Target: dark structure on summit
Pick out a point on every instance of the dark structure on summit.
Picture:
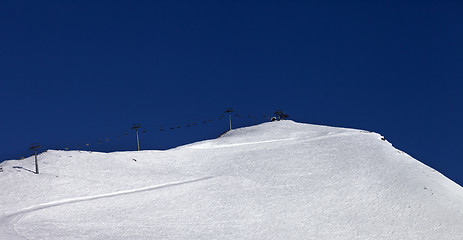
(279, 115)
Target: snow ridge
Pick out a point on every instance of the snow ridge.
(278, 180)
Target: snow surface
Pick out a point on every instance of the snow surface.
(278, 180)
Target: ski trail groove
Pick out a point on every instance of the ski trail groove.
(207, 145)
(8, 221)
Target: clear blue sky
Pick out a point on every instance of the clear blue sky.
(73, 72)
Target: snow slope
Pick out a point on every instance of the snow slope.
(278, 180)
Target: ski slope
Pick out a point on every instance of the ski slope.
(277, 180)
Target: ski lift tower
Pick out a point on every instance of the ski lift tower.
(34, 147)
(229, 111)
(136, 127)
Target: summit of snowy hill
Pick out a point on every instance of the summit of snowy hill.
(268, 132)
(277, 180)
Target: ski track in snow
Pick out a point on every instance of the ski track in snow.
(210, 146)
(8, 221)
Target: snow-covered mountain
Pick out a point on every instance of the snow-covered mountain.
(277, 180)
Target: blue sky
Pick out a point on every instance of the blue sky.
(76, 72)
